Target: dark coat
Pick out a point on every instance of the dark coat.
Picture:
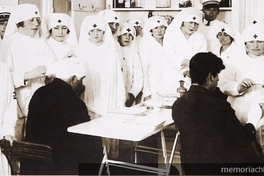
(52, 109)
(209, 130)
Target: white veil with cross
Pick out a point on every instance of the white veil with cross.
(186, 14)
(20, 13)
(52, 20)
(100, 23)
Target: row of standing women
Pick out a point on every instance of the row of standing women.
(121, 63)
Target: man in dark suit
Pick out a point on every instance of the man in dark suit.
(52, 109)
(211, 134)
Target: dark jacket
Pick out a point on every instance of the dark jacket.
(209, 130)
(52, 109)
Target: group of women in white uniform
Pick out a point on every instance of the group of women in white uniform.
(116, 70)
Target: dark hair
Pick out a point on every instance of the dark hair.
(20, 24)
(68, 31)
(231, 38)
(202, 64)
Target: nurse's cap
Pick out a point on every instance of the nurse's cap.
(5, 12)
(56, 19)
(192, 15)
(136, 20)
(258, 20)
(136, 23)
(109, 16)
(25, 12)
(156, 21)
(95, 22)
(210, 2)
(253, 32)
(227, 29)
(67, 68)
(127, 28)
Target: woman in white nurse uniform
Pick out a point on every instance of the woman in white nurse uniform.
(134, 79)
(59, 32)
(152, 56)
(8, 114)
(243, 83)
(27, 56)
(105, 88)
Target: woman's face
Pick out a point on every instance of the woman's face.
(189, 27)
(31, 26)
(114, 27)
(138, 30)
(59, 32)
(224, 38)
(255, 48)
(96, 36)
(3, 28)
(125, 39)
(158, 32)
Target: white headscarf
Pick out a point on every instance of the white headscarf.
(151, 23)
(189, 14)
(228, 29)
(54, 19)
(253, 32)
(136, 20)
(95, 22)
(109, 16)
(258, 20)
(127, 28)
(20, 13)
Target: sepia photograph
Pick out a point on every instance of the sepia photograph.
(131, 87)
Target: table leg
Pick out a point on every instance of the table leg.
(104, 162)
(164, 147)
(135, 151)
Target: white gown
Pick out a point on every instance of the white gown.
(104, 84)
(61, 50)
(178, 48)
(229, 56)
(23, 53)
(247, 67)
(152, 56)
(134, 80)
(8, 113)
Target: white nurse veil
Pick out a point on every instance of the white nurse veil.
(20, 13)
(52, 20)
(151, 23)
(127, 28)
(187, 14)
(91, 22)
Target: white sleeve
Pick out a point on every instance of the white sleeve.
(227, 83)
(17, 72)
(10, 113)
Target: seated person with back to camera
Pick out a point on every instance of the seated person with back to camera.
(210, 131)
